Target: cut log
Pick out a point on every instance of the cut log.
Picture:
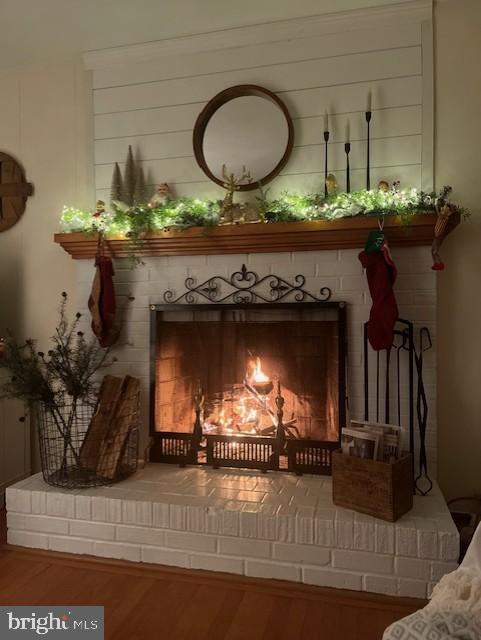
(99, 428)
(123, 421)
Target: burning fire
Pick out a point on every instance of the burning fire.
(257, 374)
(248, 411)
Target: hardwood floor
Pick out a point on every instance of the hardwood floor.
(148, 601)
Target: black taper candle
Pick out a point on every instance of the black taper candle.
(368, 166)
(326, 140)
(347, 149)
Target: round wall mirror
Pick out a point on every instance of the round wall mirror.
(246, 129)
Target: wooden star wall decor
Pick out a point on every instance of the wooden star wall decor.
(14, 191)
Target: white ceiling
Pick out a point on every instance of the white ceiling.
(39, 31)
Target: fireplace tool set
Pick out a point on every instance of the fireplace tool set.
(390, 372)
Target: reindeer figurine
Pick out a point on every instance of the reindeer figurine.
(232, 212)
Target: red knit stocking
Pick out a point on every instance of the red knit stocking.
(381, 274)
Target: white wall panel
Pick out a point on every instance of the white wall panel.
(151, 101)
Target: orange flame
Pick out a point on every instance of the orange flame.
(258, 375)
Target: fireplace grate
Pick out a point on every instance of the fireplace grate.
(308, 456)
(243, 452)
(174, 448)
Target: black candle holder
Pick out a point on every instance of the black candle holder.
(368, 164)
(326, 140)
(347, 149)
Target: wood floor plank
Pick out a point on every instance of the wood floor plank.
(199, 614)
(294, 620)
(223, 620)
(251, 618)
(278, 613)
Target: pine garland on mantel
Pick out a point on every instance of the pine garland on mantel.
(183, 213)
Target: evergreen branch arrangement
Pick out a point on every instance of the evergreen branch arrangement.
(180, 213)
(68, 368)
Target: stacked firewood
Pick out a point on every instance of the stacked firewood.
(115, 417)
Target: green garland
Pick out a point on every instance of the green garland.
(183, 213)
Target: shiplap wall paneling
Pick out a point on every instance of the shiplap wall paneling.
(152, 103)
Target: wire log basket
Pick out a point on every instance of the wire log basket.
(81, 446)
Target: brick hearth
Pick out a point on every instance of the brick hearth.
(272, 525)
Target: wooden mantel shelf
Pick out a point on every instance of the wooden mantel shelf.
(348, 233)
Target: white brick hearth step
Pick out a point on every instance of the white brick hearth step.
(272, 525)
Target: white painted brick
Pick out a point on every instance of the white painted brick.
(363, 532)
(439, 569)
(61, 504)
(353, 283)
(216, 563)
(165, 556)
(119, 550)
(427, 544)
(263, 260)
(220, 262)
(412, 588)
(39, 502)
(93, 530)
(303, 554)
(286, 524)
(18, 500)
(344, 529)
(196, 518)
(37, 524)
(27, 539)
(448, 546)
(334, 579)
(247, 548)
(213, 519)
(190, 541)
(272, 570)
(160, 515)
(431, 586)
(140, 535)
(83, 510)
(180, 262)
(139, 274)
(267, 522)
(361, 561)
(136, 512)
(380, 584)
(68, 544)
(305, 525)
(384, 534)
(177, 516)
(412, 568)
(248, 522)
(324, 528)
(406, 539)
(106, 509)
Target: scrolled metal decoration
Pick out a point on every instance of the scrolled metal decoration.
(246, 288)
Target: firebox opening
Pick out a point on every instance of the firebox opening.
(240, 358)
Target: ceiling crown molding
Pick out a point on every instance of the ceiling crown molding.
(411, 11)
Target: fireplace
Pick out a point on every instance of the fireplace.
(254, 379)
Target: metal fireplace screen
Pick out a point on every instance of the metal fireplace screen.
(245, 381)
(248, 385)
